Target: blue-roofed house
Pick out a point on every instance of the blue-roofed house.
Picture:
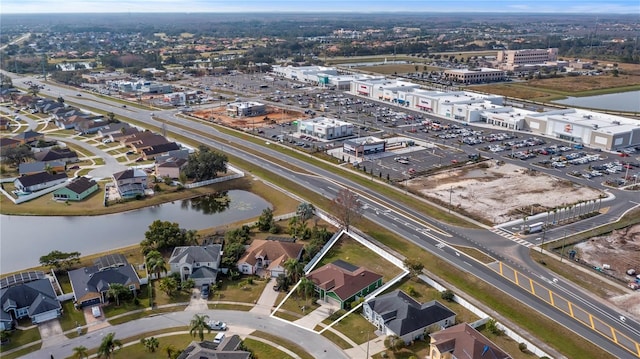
(35, 299)
(396, 313)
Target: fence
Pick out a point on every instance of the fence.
(237, 174)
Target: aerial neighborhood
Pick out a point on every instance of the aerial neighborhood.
(313, 185)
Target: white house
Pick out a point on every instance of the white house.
(39, 181)
(200, 263)
(396, 313)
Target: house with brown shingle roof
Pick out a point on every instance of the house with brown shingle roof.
(142, 140)
(462, 341)
(266, 258)
(341, 283)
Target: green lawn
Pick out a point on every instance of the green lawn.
(24, 351)
(71, 317)
(65, 283)
(350, 251)
(263, 350)
(294, 347)
(333, 337)
(354, 326)
(145, 313)
(19, 338)
(239, 290)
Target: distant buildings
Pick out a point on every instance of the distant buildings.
(325, 128)
(513, 60)
(467, 76)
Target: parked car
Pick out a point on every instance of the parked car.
(217, 325)
(95, 310)
(205, 291)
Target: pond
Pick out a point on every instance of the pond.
(23, 239)
(622, 101)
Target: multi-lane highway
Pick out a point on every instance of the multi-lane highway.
(429, 234)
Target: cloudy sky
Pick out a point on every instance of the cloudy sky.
(215, 6)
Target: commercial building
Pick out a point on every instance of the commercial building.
(364, 146)
(513, 59)
(325, 128)
(467, 76)
(442, 103)
(593, 129)
(308, 74)
(383, 89)
(246, 109)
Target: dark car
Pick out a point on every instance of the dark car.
(205, 291)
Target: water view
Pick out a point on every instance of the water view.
(623, 101)
(23, 239)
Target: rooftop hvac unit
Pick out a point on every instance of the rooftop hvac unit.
(616, 122)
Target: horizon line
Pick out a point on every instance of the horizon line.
(345, 12)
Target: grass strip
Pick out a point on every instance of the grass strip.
(297, 349)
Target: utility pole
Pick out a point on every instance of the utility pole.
(563, 242)
(450, 195)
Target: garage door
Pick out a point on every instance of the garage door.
(333, 301)
(46, 316)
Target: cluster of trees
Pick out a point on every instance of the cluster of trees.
(16, 156)
(205, 164)
(165, 235)
(60, 261)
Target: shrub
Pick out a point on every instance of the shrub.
(522, 347)
(447, 295)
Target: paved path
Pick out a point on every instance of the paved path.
(267, 299)
(111, 165)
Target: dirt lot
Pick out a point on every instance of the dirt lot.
(621, 250)
(274, 116)
(501, 193)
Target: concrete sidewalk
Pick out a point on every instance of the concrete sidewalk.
(267, 299)
(316, 317)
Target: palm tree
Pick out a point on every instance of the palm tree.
(80, 352)
(151, 344)
(198, 325)
(115, 291)
(156, 263)
(108, 346)
(294, 269)
(305, 211)
(305, 288)
(170, 350)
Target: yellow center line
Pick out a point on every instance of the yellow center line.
(571, 310)
(591, 321)
(613, 334)
(533, 290)
(551, 297)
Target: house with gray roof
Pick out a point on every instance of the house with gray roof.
(39, 181)
(34, 299)
(131, 182)
(77, 190)
(29, 168)
(62, 154)
(396, 313)
(200, 263)
(91, 284)
(228, 349)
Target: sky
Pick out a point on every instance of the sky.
(309, 6)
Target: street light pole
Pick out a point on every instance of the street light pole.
(563, 242)
(368, 333)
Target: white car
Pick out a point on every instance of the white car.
(95, 310)
(217, 325)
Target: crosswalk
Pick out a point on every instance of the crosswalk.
(502, 233)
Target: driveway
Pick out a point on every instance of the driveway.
(267, 299)
(94, 323)
(111, 165)
(51, 333)
(196, 303)
(316, 317)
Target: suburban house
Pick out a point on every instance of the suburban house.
(123, 134)
(462, 341)
(170, 167)
(28, 137)
(150, 153)
(142, 140)
(200, 263)
(61, 154)
(6, 142)
(91, 284)
(341, 283)
(29, 168)
(5, 124)
(90, 126)
(35, 299)
(113, 128)
(229, 348)
(77, 190)
(39, 181)
(396, 313)
(266, 258)
(131, 182)
(68, 123)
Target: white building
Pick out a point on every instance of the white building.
(308, 74)
(593, 129)
(381, 88)
(325, 128)
(514, 59)
(246, 109)
(363, 146)
(442, 103)
(467, 76)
